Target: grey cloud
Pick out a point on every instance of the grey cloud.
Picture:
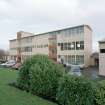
(45, 15)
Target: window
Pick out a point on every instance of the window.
(77, 45)
(80, 45)
(71, 59)
(66, 58)
(81, 30)
(68, 35)
(58, 32)
(13, 48)
(69, 46)
(79, 59)
(65, 46)
(69, 31)
(26, 49)
(41, 46)
(27, 40)
(75, 31)
(102, 50)
(72, 32)
(37, 46)
(73, 46)
(61, 46)
(46, 45)
(34, 46)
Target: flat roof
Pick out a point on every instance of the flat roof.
(102, 41)
(12, 40)
(55, 31)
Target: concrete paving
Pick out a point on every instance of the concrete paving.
(91, 72)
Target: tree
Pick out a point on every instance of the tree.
(2, 54)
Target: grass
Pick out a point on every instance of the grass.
(13, 96)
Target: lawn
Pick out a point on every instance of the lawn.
(12, 96)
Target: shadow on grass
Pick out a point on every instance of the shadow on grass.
(43, 97)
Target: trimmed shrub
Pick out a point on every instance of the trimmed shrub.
(40, 75)
(75, 91)
(100, 93)
(44, 77)
(23, 81)
(23, 78)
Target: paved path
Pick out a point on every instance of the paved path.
(91, 72)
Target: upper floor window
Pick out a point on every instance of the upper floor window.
(61, 46)
(79, 59)
(65, 46)
(26, 49)
(102, 50)
(73, 46)
(80, 45)
(69, 46)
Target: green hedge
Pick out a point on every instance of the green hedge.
(23, 81)
(75, 91)
(44, 80)
(100, 93)
(40, 75)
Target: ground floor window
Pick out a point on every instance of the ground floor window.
(73, 59)
(102, 50)
(79, 59)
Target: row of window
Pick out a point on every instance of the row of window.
(79, 45)
(27, 40)
(70, 31)
(102, 50)
(25, 49)
(29, 49)
(13, 48)
(74, 59)
(73, 32)
(41, 46)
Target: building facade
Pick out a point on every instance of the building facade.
(74, 44)
(102, 58)
(95, 59)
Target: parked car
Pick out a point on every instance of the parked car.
(9, 63)
(68, 65)
(82, 66)
(2, 61)
(17, 65)
(75, 70)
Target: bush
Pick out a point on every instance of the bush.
(75, 91)
(40, 75)
(100, 93)
(23, 81)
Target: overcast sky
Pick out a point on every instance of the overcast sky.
(46, 15)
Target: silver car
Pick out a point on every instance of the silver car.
(75, 70)
(9, 63)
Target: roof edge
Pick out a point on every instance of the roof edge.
(54, 31)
